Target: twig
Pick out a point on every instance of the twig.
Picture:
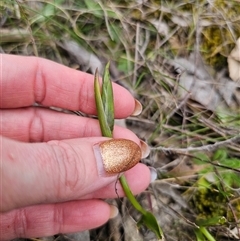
(210, 147)
(136, 55)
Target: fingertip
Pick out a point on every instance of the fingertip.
(153, 173)
(122, 132)
(113, 212)
(139, 178)
(137, 109)
(124, 102)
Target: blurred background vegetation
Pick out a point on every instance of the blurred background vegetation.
(174, 57)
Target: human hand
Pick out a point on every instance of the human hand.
(49, 176)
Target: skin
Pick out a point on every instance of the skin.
(49, 182)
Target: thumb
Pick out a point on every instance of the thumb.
(58, 171)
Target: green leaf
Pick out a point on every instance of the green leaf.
(202, 234)
(200, 158)
(97, 10)
(199, 235)
(231, 179)
(107, 97)
(211, 221)
(103, 119)
(147, 218)
(50, 9)
(231, 162)
(220, 155)
(94, 8)
(205, 232)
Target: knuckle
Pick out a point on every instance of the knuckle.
(20, 223)
(40, 81)
(36, 127)
(58, 218)
(69, 166)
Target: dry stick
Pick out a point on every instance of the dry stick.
(210, 147)
(136, 55)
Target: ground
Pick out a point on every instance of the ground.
(174, 57)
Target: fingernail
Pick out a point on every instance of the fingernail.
(153, 173)
(138, 108)
(145, 149)
(113, 211)
(116, 155)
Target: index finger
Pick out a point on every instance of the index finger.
(28, 80)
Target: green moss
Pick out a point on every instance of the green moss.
(208, 203)
(218, 39)
(233, 211)
(216, 45)
(230, 8)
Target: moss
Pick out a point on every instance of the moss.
(209, 202)
(230, 8)
(218, 39)
(233, 210)
(214, 47)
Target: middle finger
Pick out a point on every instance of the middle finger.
(39, 125)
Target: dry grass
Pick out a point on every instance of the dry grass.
(154, 48)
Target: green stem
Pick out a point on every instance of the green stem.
(129, 194)
(205, 232)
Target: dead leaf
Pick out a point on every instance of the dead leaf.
(86, 59)
(234, 62)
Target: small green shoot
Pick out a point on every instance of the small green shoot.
(105, 111)
(104, 103)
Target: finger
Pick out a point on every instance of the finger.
(50, 219)
(51, 172)
(39, 125)
(26, 80)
